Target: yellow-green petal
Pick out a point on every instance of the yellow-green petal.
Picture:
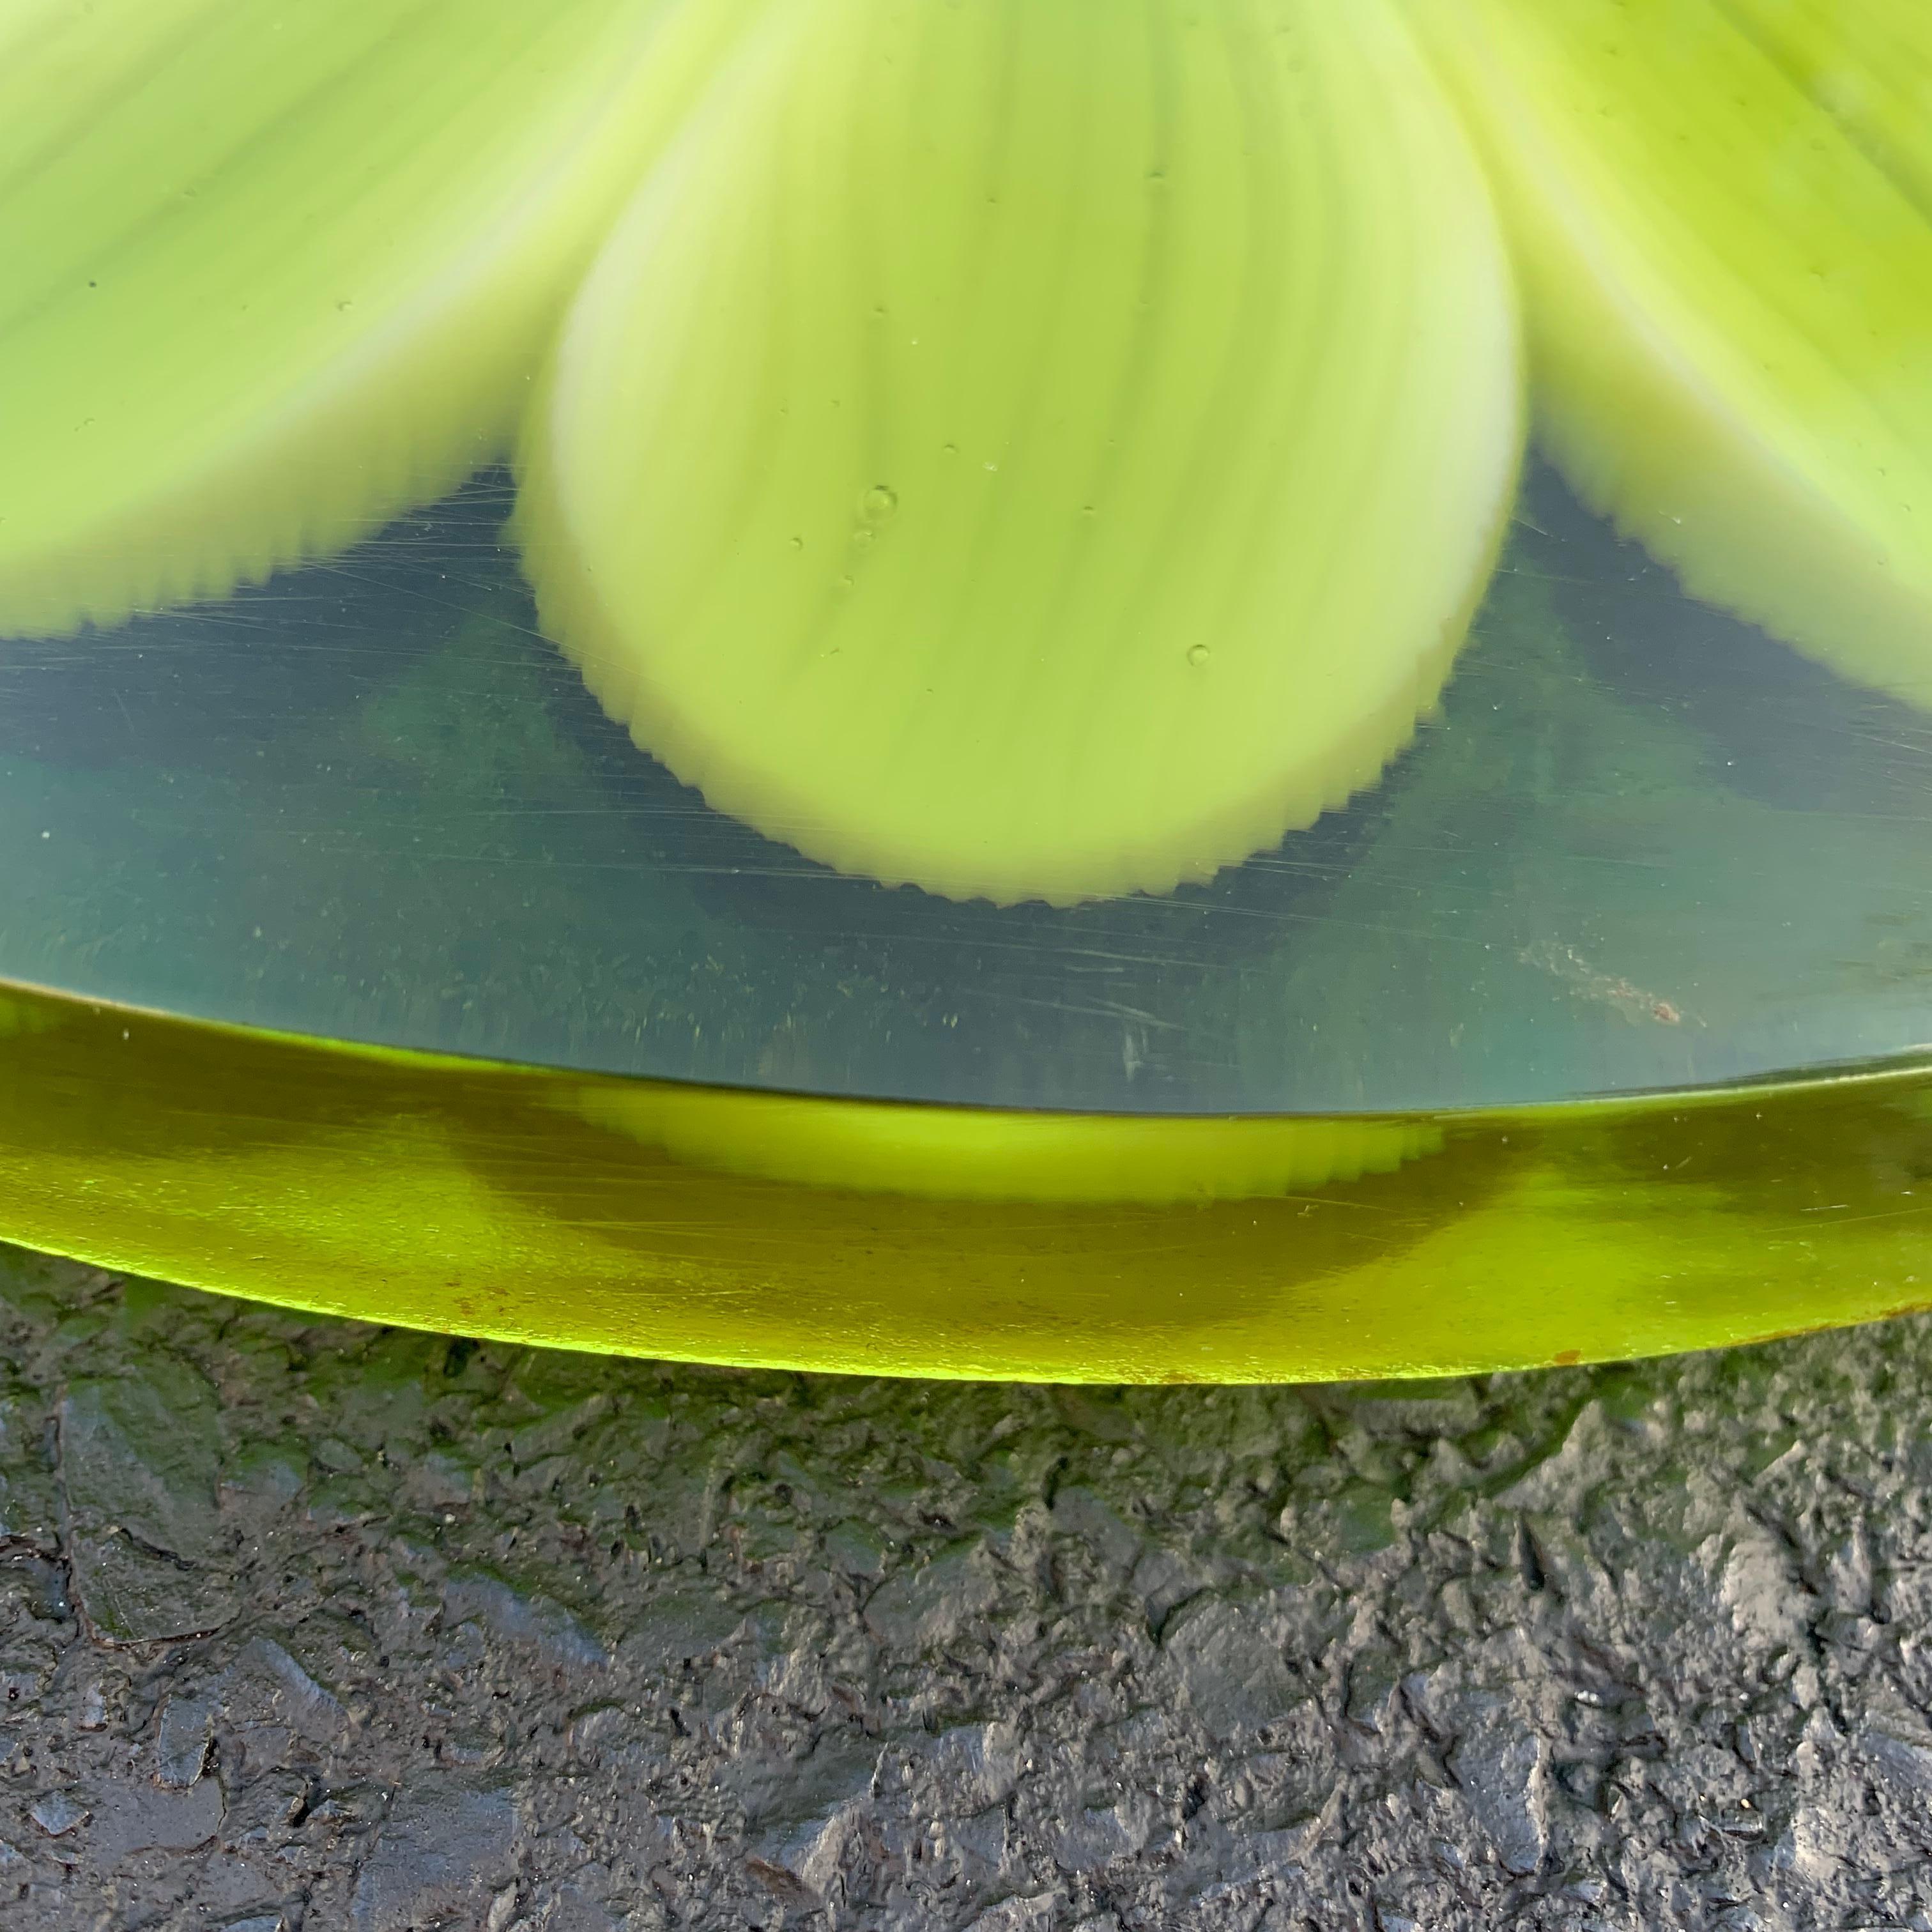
(270, 273)
(958, 1153)
(1036, 448)
(1868, 64)
(1720, 212)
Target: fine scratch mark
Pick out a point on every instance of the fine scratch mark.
(1607, 989)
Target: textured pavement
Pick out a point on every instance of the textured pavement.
(304, 1624)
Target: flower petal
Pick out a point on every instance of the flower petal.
(274, 272)
(1036, 449)
(1721, 208)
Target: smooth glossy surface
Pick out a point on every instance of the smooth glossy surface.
(1641, 846)
(487, 1201)
(380, 969)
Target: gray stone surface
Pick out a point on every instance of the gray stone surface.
(306, 1625)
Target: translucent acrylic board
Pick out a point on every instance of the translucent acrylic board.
(1364, 572)
(1641, 845)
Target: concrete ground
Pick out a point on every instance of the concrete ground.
(309, 1625)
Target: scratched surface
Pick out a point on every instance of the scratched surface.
(309, 1627)
(1641, 845)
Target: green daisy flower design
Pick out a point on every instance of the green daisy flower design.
(1024, 449)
